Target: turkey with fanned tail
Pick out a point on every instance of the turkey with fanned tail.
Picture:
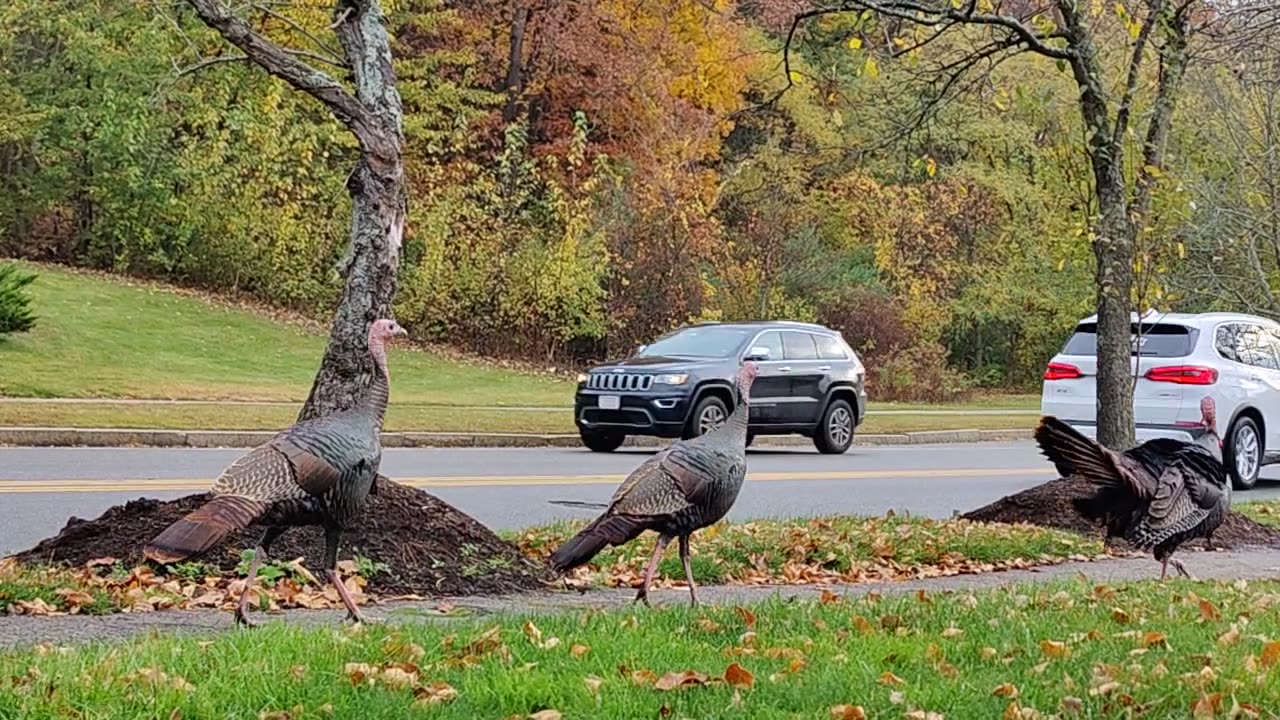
(1157, 495)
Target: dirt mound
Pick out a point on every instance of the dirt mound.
(1049, 505)
(428, 546)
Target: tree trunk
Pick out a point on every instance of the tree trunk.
(1113, 248)
(378, 195)
(377, 186)
(515, 65)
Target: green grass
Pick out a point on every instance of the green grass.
(401, 417)
(1264, 512)
(1146, 649)
(103, 338)
(829, 549)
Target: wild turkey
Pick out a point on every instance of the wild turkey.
(687, 486)
(317, 472)
(1157, 495)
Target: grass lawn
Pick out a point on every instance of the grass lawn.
(401, 417)
(1264, 512)
(1173, 650)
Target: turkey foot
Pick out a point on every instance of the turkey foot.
(688, 570)
(1182, 570)
(650, 569)
(353, 611)
(259, 552)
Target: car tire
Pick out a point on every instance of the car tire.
(1243, 453)
(704, 416)
(602, 441)
(834, 433)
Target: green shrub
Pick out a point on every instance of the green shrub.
(15, 303)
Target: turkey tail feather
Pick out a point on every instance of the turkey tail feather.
(1072, 453)
(606, 530)
(204, 527)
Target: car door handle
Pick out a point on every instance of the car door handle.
(784, 369)
(824, 367)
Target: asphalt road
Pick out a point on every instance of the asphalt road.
(509, 488)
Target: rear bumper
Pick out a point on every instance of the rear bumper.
(1142, 431)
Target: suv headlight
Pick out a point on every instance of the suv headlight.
(671, 379)
(582, 377)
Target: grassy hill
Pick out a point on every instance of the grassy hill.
(114, 339)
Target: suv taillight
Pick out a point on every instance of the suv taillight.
(1062, 371)
(1183, 374)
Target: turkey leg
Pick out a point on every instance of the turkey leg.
(259, 552)
(643, 595)
(688, 569)
(331, 559)
(1182, 570)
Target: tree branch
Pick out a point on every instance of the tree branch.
(1154, 8)
(921, 14)
(207, 62)
(279, 62)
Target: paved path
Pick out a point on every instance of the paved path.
(509, 488)
(24, 631)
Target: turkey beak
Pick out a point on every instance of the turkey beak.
(400, 332)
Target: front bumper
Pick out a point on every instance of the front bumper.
(657, 414)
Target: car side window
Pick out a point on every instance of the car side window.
(773, 341)
(1225, 342)
(1255, 349)
(829, 348)
(799, 346)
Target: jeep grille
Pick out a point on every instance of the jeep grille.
(619, 381)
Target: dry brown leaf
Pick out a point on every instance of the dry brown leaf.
(1270, 654)
(1071, 705)
(829, 598)
(747, 616)
(1208, 611)
(922, 596)
(1230, 637)
(923, 715)
(863, 625)
(738, 676)
(579, 650)
(398, 678)
(952, 632)
(360, 673)
(1120, 616)
(1207, 706)
(298, 671)
(848, 712)
(707, 624)
(639, 677)
(888, 678)
(988, 653)
(1152, 638)
(546, 715)
(674, 680)
(1006, 690)
(434, 694)
(593, 684)
(1054, 648)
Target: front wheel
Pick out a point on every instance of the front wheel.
(709, 414)
(1243, 453)
(602, 441)
(834, 433)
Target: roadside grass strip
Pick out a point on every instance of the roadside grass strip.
(1069, 649)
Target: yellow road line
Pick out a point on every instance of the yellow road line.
(135, 485)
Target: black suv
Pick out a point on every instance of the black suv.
(810, 382)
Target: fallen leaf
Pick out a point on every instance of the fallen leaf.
(641, 677)
(1208, 611)
(434, 694)
(738, 676)
(579, 650)
(1230, 637)
(707, 624)
(1152, 638)
(747, 616)
(1207, 706)
(952, 632)
(848, 712)
(1270, 654)
(298, 671)
(888, 678)
(398, 678)
(897, 697)
(1053, 648)
(1071, 705)
(1006, 690)
(923, 715)
(360, 673)
(546, 715)
(674, 680)
(1120, 616)
(863, 625)
(829, 598)
(593, 684)
(988, 653)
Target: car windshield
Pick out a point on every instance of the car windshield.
(699, 342)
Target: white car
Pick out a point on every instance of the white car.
(1178, 359)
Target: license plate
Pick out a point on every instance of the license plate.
(610, 402)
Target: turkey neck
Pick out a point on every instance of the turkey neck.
(735, 428)
(374, 402)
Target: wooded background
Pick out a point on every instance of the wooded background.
(586, 175)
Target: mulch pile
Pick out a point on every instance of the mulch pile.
(430, 547)
(1049, 505)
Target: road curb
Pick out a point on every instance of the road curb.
(120, 437)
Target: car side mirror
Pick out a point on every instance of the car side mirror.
(640, 348)
(758, 352)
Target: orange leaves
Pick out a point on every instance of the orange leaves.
(532, 632)
(155, 678)
(1208, 612)
(747, 616)
(1152, 638)
(433, 694)
(738, 676)
(891, 680)
(1054, 649)
(848, 712)
(399, 677)
(863, 625)
(1006, 690)
(675, 680)
(1270, 656)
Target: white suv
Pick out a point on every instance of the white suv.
(1178, 359)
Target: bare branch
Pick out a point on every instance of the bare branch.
(301, 30)
(1154, 7)
(328, 60)
(279, 62)
(342, 17)
(947, 17)
(207, 62)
